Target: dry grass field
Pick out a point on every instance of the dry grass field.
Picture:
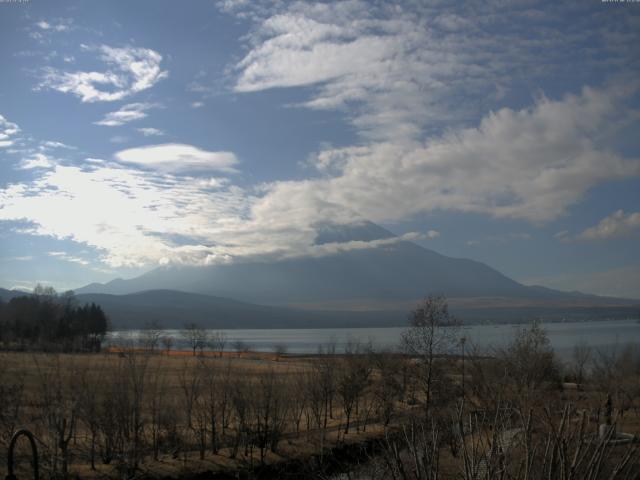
(131, 413)
(164, 409)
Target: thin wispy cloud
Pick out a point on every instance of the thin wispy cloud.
(126, 113)
(151, 132)
(52, 145)
(42, 30)
(69, 258)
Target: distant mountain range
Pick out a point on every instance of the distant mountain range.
(357, 287)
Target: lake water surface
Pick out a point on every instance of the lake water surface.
(604, 334)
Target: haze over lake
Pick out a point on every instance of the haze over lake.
(604, 335)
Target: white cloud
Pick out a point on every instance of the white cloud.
(126, 113)
(176, 157)
(197, 104)
(59, 25)
(53, 145)
(150, 132)
(23, 258)
(127, 214)
(69, 258)
(332, 248)
(401, 69)
(43, 29)
(500, 239)
(529, 164)
(129, 70)
(618, 224)
(37, 160)
(7, 131)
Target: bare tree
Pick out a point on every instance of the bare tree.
(352, 379)
(219, 342)
(156, 404)
(11, 399)
(298, 402)
(92, 391)
(270, 411)
(387, 387)
(195, 336)
(59, 404)
(531, 364)
(432, 331)
(151, 335)
(135, 368)
(279, 349)
(167, 342)
(241, 347)
(212, 379)
(580, 358)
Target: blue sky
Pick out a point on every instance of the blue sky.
(138, 134)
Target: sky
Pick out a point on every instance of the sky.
(147, 133)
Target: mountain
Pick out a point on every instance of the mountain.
(6, 295)
(394, 274)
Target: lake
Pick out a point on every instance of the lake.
(604, 334)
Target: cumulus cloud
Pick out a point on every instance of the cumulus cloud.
(8, 130)
(126, 113)
(129, 70)
(618, 224)
(177, 157)
(529, 164)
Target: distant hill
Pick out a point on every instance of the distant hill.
(172, 309)
(6, 295)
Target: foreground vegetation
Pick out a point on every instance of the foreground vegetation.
(514, 414)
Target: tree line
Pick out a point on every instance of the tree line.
(45, 320)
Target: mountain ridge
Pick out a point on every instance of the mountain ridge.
(400, 271)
